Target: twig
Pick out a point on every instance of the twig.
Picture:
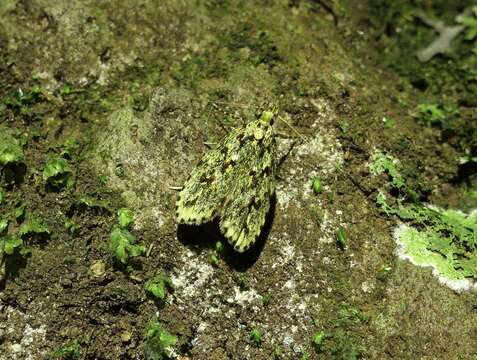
(443, 42)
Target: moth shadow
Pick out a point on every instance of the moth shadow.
(205, 236)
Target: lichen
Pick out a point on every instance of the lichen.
(445, 240)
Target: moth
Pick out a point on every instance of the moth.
(235, 182)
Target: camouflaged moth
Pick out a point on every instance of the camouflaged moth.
(234, 182)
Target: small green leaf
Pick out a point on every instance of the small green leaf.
(69, 351)
(33, 225)
(10, 149)
(3, 225)
(219, 247)
(318, 338)
(103, 179)
(125, 217)
(158, 285)
(316, 185)
(213, 259)
(256, 335)
(54, 166)
(123, 245)
(341, 237)
(58, 173)
(2, 195)
(136, 250)
(158, 342)
(10, 243)
(431, 113)
(92, 202)
(71, 226)
(19, 210)
(266, 298)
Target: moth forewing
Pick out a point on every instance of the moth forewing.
(235, 181)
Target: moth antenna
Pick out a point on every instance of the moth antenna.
(291, 127)
(210, 145)
(274, 110)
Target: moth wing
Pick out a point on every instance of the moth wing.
(200, 198)
(251, 185)
(242, 218)
(247, 202)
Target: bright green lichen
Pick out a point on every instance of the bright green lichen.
(385, 163)
(444, 239)
(448, 233)
(417, 246)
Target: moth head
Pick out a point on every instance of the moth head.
(260, 127)
(266, 118)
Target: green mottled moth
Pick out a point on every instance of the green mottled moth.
(235, 182)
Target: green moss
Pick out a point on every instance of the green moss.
(266, 298)
(71, 226)
(22, 102)
(344, 346)
(10, 243)
(471, 24)
(318, 339)
(256, 336)
(446, 85)
(10, 149)
(69, 351)
(435, 114)
(385, 163)
(159, 342)
(88, 201)
(58, 173)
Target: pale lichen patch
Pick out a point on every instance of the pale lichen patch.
(191, 279)
(411, 246)
(30, 344)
